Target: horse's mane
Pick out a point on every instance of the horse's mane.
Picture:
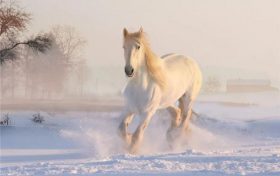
(153, 64)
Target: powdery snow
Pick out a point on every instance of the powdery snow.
(223, 140)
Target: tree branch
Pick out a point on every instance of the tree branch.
(40, 44)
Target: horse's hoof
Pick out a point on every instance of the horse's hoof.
(133, 150)
(186, 130)
(173, 134)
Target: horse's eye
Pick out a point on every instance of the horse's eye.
(138, 47)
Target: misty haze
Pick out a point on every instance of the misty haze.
(140, 87)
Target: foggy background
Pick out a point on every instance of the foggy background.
(229, 39)
(236, 39)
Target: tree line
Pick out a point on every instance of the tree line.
(45, 65)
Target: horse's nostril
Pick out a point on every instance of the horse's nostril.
(128, 70)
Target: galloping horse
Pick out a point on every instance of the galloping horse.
(156, 83)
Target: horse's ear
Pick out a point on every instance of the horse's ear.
(125, 32)
(141, 30)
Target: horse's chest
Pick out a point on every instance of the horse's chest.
(138, 98)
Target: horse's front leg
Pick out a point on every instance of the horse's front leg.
(123, 127)
(137, 136)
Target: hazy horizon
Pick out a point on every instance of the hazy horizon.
(223, 36)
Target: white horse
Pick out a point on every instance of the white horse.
(156, 83)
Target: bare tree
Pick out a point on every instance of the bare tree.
(69, 42)
(71, 45)
(14, 20)
(64, 46)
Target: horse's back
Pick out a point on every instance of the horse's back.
(177, 61)
(167, 55)
(183, 75)
(185, 65)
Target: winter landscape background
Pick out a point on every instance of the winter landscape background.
(63, 101)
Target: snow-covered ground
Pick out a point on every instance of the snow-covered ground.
(237, 138)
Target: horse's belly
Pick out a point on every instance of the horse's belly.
(169, 99)
(176, 89)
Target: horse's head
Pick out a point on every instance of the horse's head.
(133, 51)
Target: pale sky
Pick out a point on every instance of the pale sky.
(226, 34)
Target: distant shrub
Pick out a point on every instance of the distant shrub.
(5, 120)
(38, 118)
(212, 84)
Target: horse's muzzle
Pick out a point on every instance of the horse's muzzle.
(129, 71)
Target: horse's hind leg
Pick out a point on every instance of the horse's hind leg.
(185, 104)
(187, 100)
(175, 113)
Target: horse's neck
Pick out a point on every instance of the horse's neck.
(142, 76)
